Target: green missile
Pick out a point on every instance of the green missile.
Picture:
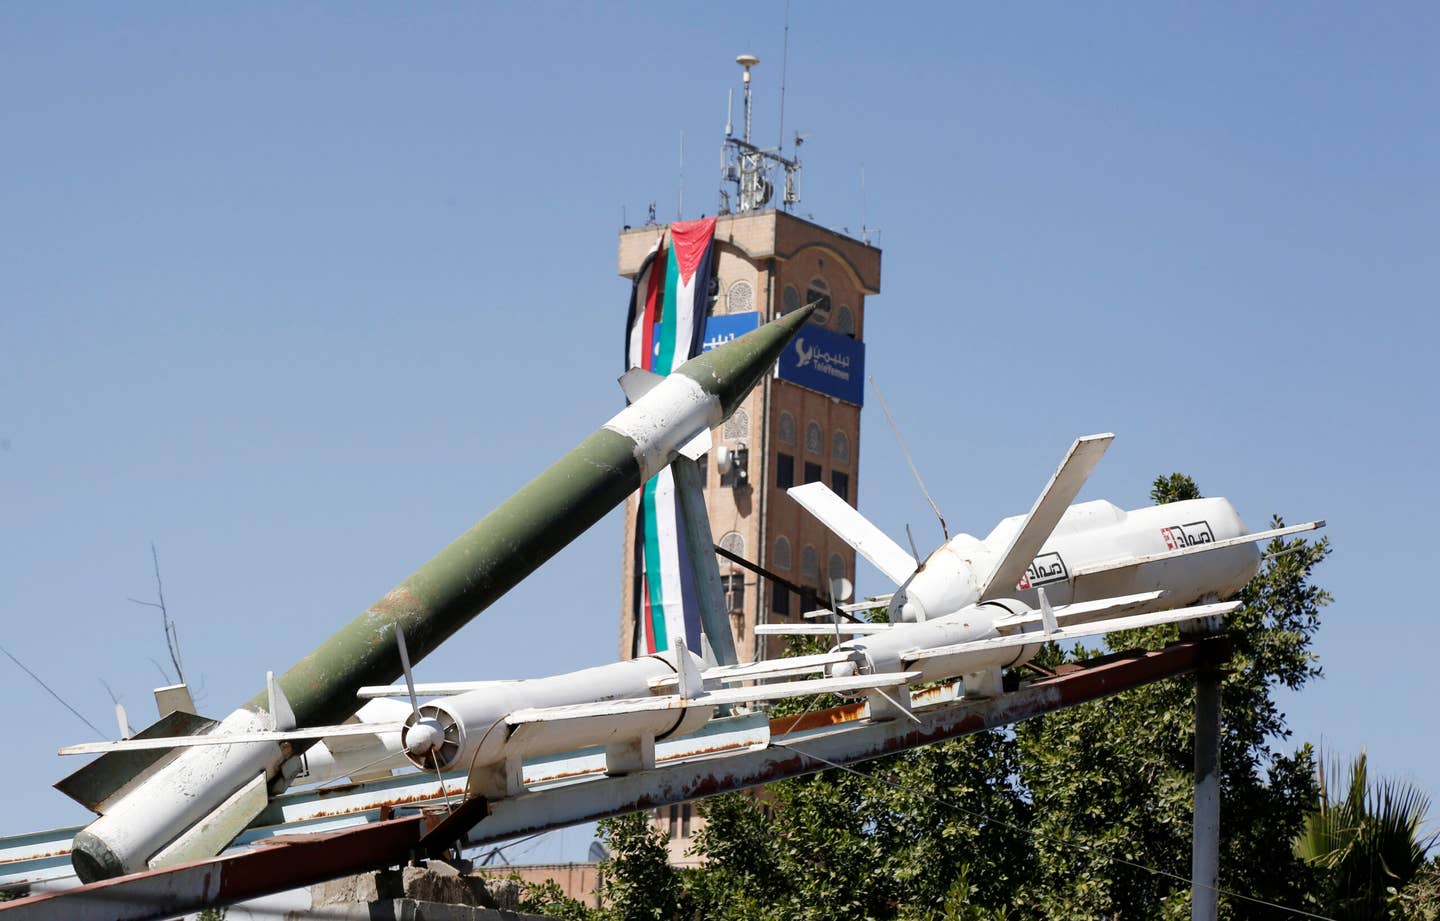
(162, 817)
(531, 526)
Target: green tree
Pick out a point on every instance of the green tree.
(1079, 814)
(637, 882)
(1111, 781)
(548, 899)
(1367, 840)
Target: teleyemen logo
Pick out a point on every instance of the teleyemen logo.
(821, 361)
(805, 355)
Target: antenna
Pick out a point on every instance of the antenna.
(730, 113)
(749, 166)
(903, 450)
(784, 62)
(747, 61)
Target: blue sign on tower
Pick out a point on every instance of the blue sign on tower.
(827, 363)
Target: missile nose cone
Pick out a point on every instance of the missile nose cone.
(728, 372)
(424, 737)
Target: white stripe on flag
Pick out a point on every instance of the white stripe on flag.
(669, 554)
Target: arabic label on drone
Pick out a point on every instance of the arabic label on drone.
(1044, 569)
(1180, 536)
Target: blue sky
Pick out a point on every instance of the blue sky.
(300, 292)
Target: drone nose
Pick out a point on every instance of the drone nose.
(424, 737)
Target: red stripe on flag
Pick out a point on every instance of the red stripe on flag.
(690, 239)
(652, 305)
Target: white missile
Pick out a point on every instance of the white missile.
(488, 728)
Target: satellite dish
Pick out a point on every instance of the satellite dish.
(597, 852)
(723, 459)
(746, 60)
(841, 590)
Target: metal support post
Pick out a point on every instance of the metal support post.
(1205, 832)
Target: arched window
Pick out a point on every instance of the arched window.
(845, 321)
(786, 429)
(819, 291)
(740, 298)
(737, 427)
(781, 560)
(809, 565)
(733, 542)
(840, 448)
(814, 440)
(789, 299)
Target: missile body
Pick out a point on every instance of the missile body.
(474, 726)
(1090, 533)
(158, 822)
(886, 652)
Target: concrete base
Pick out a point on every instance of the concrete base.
(439, 892)
(409, 910)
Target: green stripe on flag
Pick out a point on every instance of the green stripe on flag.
(652, 569)
(665, 361)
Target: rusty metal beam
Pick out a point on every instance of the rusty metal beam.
(797, 748)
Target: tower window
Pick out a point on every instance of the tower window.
(781, 560)
(734, 542)
(840, 484)
(819, 293)
(737, 427)
(809, 565)
(840, 448)
(790, 299)
(845, 321)
(734, 586)
(814, 438)
(785, 429)
(784, 471)
(813, 473)
(740, 298)
(780, 599)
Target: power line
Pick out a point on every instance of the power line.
(52, 693)
(1032, 833)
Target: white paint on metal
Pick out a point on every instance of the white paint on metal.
(282, 715)
(208, 837)
(217, 738)
(1083, 611)
(822, 629)
(1257, 537)
(1060, 634)
(184, 791)
(1045, 514)
(854, 529)
(666, 418)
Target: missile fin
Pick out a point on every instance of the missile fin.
(697, 447)
(104, 780)
(1130, 561)
(282, 717)
(691, 684)
(1069, 633)
(855, 529)
(1045, 514)
(209, 836)
(637, 382)
(821, 629)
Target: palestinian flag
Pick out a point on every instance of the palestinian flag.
(665, 328)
